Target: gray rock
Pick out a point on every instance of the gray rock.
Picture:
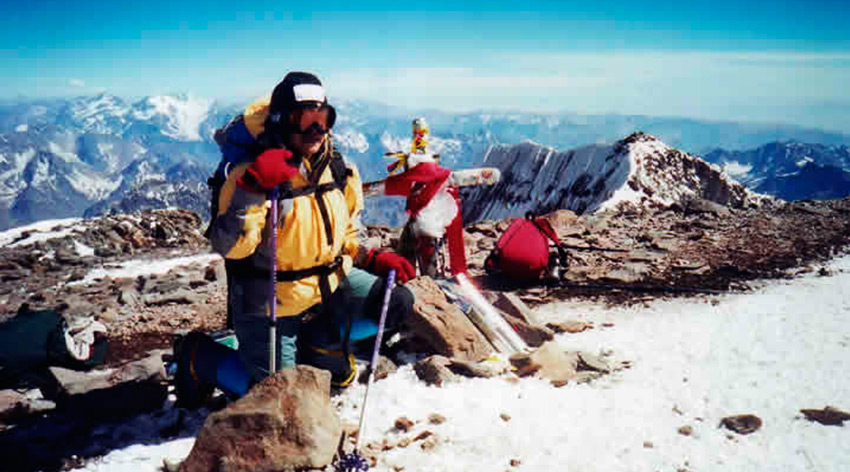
(15, 406)
(182, 296)
(827, 415)
(215, 272)
(129, 296)
(169, 283)
(569, 326)
(700, 206)
(286, 422)
(483, 369)
(627, 273)
(742, 424)
(384, 368)
(593, 362)
(131, 388)
(434, 370)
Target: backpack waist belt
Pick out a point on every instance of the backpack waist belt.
(323, 271)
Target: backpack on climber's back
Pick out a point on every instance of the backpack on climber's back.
(522, 253)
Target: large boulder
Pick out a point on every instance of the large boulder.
(442, 325)
(285, 422)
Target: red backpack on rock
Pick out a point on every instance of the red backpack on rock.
(522, 252)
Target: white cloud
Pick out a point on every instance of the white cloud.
(76, 83)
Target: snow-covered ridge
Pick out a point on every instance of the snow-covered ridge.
(639, 169)
(40, 231)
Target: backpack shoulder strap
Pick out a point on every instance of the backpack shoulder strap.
(339, 170)
(546, 228)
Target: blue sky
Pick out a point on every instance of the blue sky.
(776, 61)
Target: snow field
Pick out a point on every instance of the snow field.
(694, 361)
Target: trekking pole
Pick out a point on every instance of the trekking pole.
(354, 461)
(273, 286)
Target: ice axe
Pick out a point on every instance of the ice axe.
(354, 462)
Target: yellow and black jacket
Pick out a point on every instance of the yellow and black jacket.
(309, 237)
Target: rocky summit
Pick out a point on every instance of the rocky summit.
(149, 276)
(86, 267)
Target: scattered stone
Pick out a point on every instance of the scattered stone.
(16, 406)
(505, 417)
(285, 422)
(484, 369)
(436, 418)
(550, 361)
(404, 443)
(107, 316)
(608, 324)
(442, 325)
(215, 272)
(742, 424)
(588, 361)
(403, 424)
(180, 296)
(383, 369)
(570, 326)
(648, 445)
(586, 376)
(423, 435)
(699, 206)
(129, 296)
(430, 443)
(434, 370)
(686, 430)
(627, 273)
(827, 416)
(515, 462)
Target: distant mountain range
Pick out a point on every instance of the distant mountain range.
(791, 171)
(98, 154)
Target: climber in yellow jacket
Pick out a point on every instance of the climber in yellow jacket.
(289, 150)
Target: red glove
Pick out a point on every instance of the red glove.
(270, 169)
(380, 262)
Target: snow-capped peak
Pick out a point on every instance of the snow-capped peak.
(102, 113)
(179, 116)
